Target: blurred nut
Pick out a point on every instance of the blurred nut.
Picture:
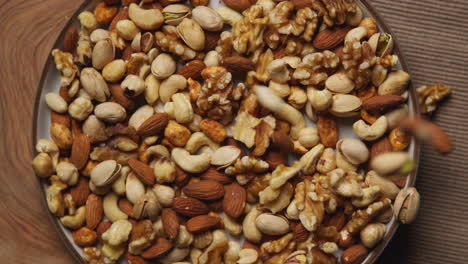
(399, 139)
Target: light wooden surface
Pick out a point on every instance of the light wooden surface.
(432, 33)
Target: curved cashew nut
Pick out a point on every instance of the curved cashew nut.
(158, 151)
(268, 99)
(146, 19)
(278, 71)
(220, 240)
(356, 34)
(249, 227)
(119, 186)
(75, 221)
(191, 163)
(231, 226)
(184, 238)
(170, 86)
(48, 146)
(310, 159)
(198, 140)
(372, 132)
(175, 255)
(111, 208)
(232, 254)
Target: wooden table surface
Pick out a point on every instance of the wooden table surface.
(432, 33)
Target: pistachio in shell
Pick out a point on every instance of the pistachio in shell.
(192, 34)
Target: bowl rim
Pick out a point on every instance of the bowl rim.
(373, 255)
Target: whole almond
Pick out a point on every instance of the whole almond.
(355, 254)
(202, 223)
(182, 177)
(70, 40)
(213, 174)
(234, 200)
(132, 259)
(127, 207)
(94, 211)
(102, 228)
(212, 39)
(338, 220)
(80, 191)
(161, 246)
(300, 233)
(188, 206)
(281, 142)
(120, 98)
(192, 69)
(238, 65)
(382, 102)
(144, 172)
(154, 125)
(215, 205)
(327, 129)
(80, 151)
(382, 146)
(204, 190)
(170, 222)
(330, 38)
(239, 5)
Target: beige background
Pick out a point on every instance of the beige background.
(432, 33)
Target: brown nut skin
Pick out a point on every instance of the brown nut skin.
(327, 130)
(199, 2)
(70, 40)
(213, 129)
(354, 255)
(104, 13)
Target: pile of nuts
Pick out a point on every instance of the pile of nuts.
(169, 133)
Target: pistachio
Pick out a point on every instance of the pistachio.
(147, 206)
(110, 112)
(56, 103)
(103, 53)
(406, 205)
(395, 83)
(143, 42)
(127, 29)
(379, 74)
(389, 162)
(133, 85)
(339, 83)
(174, 14)
(163, 66)
(207, 18)
(192, 34)
(345, 105)
(114, 71)
(95, 128)
(273, 225)
(354, 150)
(146, 19)
(381, 44)
(80, 108)
(94, 84)
(105, 173)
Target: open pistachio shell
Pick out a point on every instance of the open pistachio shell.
(105, 173)
(192, 34)
(345, 105)
(174, 14)
(406, 205)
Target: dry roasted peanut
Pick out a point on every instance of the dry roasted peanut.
(146, 19)
(192, 34)
(177, 134)
(43, 165)
(406, 205)
(249, 227)
(372, 234)
(75, 221)
(105, 13)
(56, 103)
(80, 108)
(127, 29)
(111, 208)
(152, 85)
(207, 18)
(103, 53)
(84, 237)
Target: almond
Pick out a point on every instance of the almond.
(94, 211)
(234, 200)
(63, 119)
(380, 147)
(161, 246)
(239, 5)
(120, 98)
(213, 129)
(170, 222)
(121, 15)
(153, 125)
(80, 151)
(213, 174)
(102, 227)
(127, 207)
(355, 254)
(382, 102)
(318, 256)
(300, 233)
(63, 92)
(80, 191)
(132, 259)
(70, 40)
(144, 172)
(211, 41)
(84, 237)
(182, 177)
(188, 206)
(274, 159)
(429, 132)
(202, 223)
(204, 190)
(215, 205)
(327, 129)
(330, 38)
(238, 65)
(338, 220)
(281, 142)
(192, 69)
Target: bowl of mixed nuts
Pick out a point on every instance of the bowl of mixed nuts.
(274, 132)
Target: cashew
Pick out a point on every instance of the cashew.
(175, 255)
(250, 229)
(152, 85)
(75, 221)
(202, 240)
(118, 233)
(184, 110)
(232, 254)
(268, 99)
(371, 132)
(146, 19)
(214, 253)
(165, 194)
(356, 34)
(310, 159)
(119, 186)
(170, 86)
(191, 163)
(111, 208)
(48, 146)
(198, 140)
(158, 151)
(231, 226)
(184, 238)
(195, 253)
